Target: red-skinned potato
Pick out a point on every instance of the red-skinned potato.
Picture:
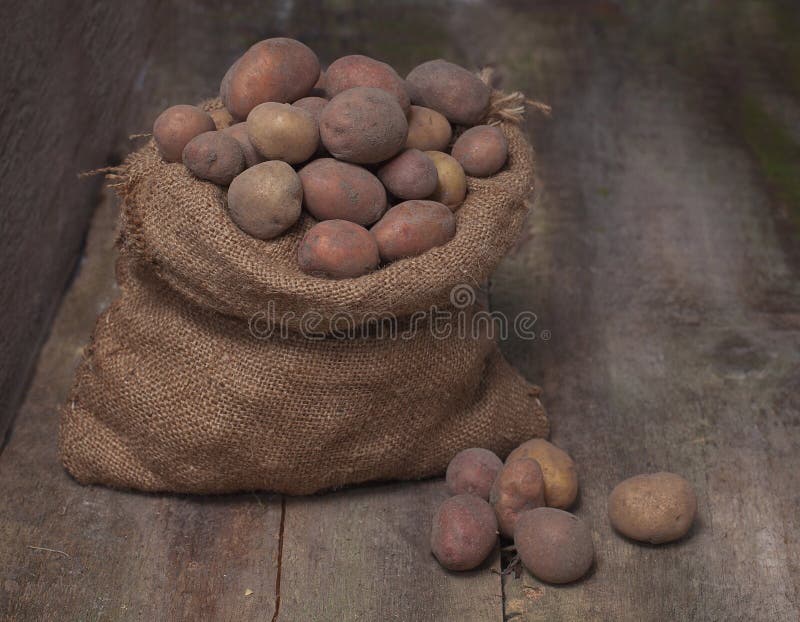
(214, 156)
(176, 126)
(239, 132)
(266, 199)
(283, 132)
(451, 184)
(312, 105)
(334, 190)
(274, 70)
(452, 90)
(355, 70)
(337, 249)
(518, 487)
(428, 130)
(464, 532)
(472, 472)
(481, 150)
(413, 227)
(409, 175)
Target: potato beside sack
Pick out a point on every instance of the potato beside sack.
(473, 471)
(518, 487)
(560, 473)
(464, 532)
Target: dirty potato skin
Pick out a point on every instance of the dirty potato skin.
(560, 473)
(215, 157)
(554, 545)
(274, 70)
(519, 487)
(338, 249)
(413, 227)
(473, 471)
(464, 532)
(283, 132)
(266, 199)
(355, 70)
(451, 185)
(176, 126)
(334, 190)
(363, 125)
(481, 150)
(452, 90)
(428, 130)
(312, 105)
(653, 507)
(238, 131)
(409, 175)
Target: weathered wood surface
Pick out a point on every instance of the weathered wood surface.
(662, 261)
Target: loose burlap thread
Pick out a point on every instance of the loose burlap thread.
(177, 391)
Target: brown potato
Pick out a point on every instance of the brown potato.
(428, 130)
(214, 156)
(274, 70)
(473, 471)
(176, 126)
(481, 150)
(266, 199)
(338, 249)
(654, 507)
(554, 545)
(452, 90)
(464, 532)
(451, 185)
(519, 487)
(222, 118)
(334, 190)
(348, 72)
(363, 125)
(409, 175)
(239, 132)
(283, 132)
(560, 474)
(312, 105)
(413, 227)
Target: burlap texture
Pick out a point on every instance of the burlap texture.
(176, 394)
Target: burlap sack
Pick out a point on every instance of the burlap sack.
(202, 376)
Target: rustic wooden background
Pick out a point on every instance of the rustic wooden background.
(661, 257)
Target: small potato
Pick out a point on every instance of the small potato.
(355, 70)
(214, 156)
(473, 471)
(363, 125)
(481, 150)
(283, 132)
(334, 190)
(451, 187)
(176, 126)
(273, 70)
(464, 532)
(239, 132)
(413, 227)
(452, 90)
(222, 118)
(266, 199)
(410, 175)
(428, 130)
(560, 474)
(654, 507)
(338, 249)
(554, 545)
(518, 487)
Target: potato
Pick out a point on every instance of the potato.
(214, 156)
(239, 132)
(519, 487)
(428, 130)
(451, 185)
(265, 200)
(222, 118)
(363, 125)
(413, 227)
(355, 70)
(654, 507)
(473, 471)
(554, 545)
(283, 132)
(338, 249)
(481, 150)
(312, 105)
(176, 126)
(464, 532)
(452, 90)
(560, 474)
(409, 175)
(274, 70)
(334, 190)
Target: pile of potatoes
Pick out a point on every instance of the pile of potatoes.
(525, 499)
(362, 150)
